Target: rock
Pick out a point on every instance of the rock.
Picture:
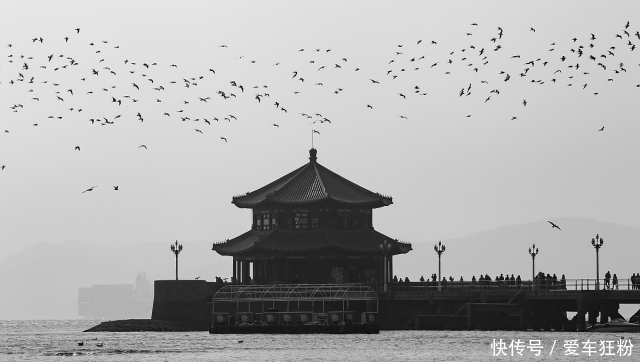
(144, 325)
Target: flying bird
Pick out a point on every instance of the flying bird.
(89, 189)
(554, 225)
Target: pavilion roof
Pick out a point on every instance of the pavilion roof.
(296, 241)
(311, 183)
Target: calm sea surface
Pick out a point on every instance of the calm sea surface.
(57, 340)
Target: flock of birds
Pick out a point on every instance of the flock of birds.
(90, 81)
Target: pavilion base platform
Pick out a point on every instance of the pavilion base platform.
(295, 329)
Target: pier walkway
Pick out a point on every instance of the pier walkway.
(466, 305)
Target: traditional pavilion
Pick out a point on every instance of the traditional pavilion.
(311, 226)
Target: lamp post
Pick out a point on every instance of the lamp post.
(439, 249)
(384, 249)
(597, 243)
(533, 251)
(176, 250)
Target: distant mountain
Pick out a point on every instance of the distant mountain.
(42, 281)
(505, 251)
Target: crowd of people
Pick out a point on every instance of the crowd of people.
(635, 281)
(542, 281)
(612, 283)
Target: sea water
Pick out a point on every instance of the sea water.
(57, 340)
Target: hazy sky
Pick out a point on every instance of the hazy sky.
(448, 134)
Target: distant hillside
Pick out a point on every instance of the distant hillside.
(505, 250)
(42, 282)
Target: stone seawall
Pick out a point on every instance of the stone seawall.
(186, 301)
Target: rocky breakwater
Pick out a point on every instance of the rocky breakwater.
(145, 325)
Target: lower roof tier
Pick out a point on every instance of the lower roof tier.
(295, 241)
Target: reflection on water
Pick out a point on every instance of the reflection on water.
(58, 340)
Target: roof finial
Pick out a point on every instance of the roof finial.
(312, 154)
(312, 132)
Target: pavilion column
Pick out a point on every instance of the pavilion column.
(266, 272)
(286, 264)
(235, 268)
(580, 325)
(390, 268)
(246, 271)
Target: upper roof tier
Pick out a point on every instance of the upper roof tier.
(312, 183)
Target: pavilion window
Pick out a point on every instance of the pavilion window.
(265, 221)
(344, 220)
(301, 220)
(315, 220)
(286, 221)
(257, 222)
(356, 220)
(367, 221)
(331, 221)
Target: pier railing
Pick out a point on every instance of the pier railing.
(567, 284)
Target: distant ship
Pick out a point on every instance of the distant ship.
(117, 301)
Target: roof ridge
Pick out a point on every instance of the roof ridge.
(319, 178)
(352, 183)
(300, 170)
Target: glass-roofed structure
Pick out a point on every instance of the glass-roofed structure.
(312, 296)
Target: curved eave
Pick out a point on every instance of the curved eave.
(280, 241)
(374, 204)
(402, 248)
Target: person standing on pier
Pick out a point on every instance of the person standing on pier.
(607, 278)
(615, 282)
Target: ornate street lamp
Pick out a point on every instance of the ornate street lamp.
(597, 243)
(176, 250)
(533, 251)
(439, 249)
(385, 249)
